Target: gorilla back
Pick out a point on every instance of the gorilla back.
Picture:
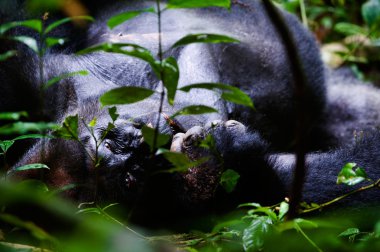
(258, 65)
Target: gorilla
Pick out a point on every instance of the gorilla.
(342, 114)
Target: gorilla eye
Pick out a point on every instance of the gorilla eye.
(107, 145)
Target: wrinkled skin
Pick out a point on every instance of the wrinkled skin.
(246, 140)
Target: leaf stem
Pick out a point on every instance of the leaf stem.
(364, 188)
(299, 229)
(160, 57)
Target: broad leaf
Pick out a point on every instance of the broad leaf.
(349, 29)
(93, 122)
(127, 49)
(125, 95)
(30, 42)
(69, 128)
(13, 115)
(148, 134)
(113, 113)
(194, 110)
(170, 76)
(349, 232)
(121, 18)
(54, 25)
(350, 176)
(179, 160)
(198, 3)
(50, 41)
(31, 136)
(7, 55)
(34, 24)
(284, 208)
(229, 180)
(229, 93)
(29, 167)
(204, 38)
(56, 79)
(20, 128)
(255, 235)
(6, 144)
(371, 12)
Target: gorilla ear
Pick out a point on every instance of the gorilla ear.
(66, 162)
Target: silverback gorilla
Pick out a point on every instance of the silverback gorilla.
(343, 114)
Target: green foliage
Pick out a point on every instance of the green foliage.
(194, 110)
(204, 38)
(121, 18)
(180, 161)
(125, 95)
(170, 76)
(350, 176)
(56, 79)
(19, 128)
(28, 167)
(149, 135)
(69, 129)
(229, 180)
(7, 55)
(371, 13)
(198, 4)
(229, 93)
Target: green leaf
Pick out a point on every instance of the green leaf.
(306, 223)
(20, 128)
(6, 144)
(113, 113)
(148, 134)
(121, 18)
(54, 41)
(284, 208)
(350, 176)
(251, 204)
(254, 236)
(30, 42)
(349, 232)
(125, 95)
(229, 93)
(170, 76)
(204, 38)
(69, 128)
(229, 180)
(179, 160)
(127, 49)
(34, 230)
(56, 79)
(194, 110)
(173, 4)
(28, 167)
(13, 115)
(36, 186)
(31, 136)
(34, 24)
(349, 29)
(66, 20)
(92, 123)
(263, 210)
(7, 55)
(371, 12)
(89, 210)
